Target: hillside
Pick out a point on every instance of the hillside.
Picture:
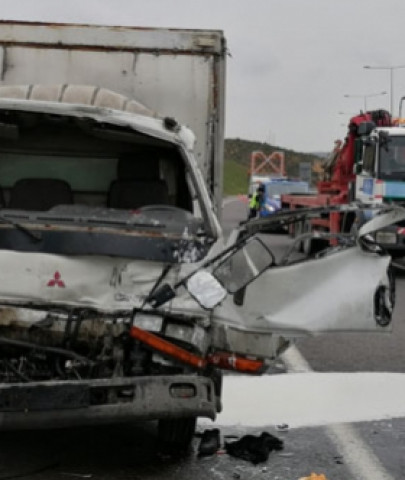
(237, 161)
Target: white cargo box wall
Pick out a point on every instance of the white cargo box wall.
(176, 73)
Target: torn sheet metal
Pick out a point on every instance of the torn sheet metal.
(102, 283)
(387, 218)
(339, 292)
(335, 293)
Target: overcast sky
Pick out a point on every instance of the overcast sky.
(292, 61)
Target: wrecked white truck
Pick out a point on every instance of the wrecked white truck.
(119, 299)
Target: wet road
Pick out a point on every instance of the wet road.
(131, 451)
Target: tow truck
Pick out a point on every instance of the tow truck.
(367, 168)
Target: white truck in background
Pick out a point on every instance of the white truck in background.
(109, 205)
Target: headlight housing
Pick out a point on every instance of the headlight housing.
(386, 237)
(151, 323)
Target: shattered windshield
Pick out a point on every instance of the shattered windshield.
(392, 158)
(82, 187)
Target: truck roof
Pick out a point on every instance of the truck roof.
(82, 102)
(394, 131)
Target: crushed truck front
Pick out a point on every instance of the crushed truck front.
(99, 206)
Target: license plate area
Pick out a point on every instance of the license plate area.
(40, 398)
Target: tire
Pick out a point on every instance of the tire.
(382, 311)
(175, 434)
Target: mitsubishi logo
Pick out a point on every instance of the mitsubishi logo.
(56, 281)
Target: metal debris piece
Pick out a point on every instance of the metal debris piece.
(282, 427)
(314, 476)
(77, 475)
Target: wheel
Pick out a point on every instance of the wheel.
(384, 300)
(176, 434)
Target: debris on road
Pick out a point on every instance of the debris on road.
(338, 459)
(253, 448)
(286, 454)
(282, 427)
(314, 476)
(210, 442)
(77, 475)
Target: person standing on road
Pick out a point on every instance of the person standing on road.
(256, 202)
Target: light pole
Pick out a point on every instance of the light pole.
(364, 97)
(391, 68)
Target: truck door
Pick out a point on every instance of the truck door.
(365, 179)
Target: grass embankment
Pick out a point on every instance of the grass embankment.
(235, 178)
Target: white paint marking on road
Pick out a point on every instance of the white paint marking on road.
(358, 457)
(309, 399)
(304, 398)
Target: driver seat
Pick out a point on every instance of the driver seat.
(138, 184)
(133, 194)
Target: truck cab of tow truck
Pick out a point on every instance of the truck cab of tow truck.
(380, 177)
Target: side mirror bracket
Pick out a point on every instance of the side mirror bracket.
(233, 270)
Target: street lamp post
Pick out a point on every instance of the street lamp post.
(365, 96)
(391, 68)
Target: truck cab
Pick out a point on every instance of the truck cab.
(380, 178)
(274, 188)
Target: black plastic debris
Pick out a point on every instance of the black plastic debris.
(255, 449)
(282, 427)
(210, 442)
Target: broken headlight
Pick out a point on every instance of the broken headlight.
(386, 237)
(151, 323)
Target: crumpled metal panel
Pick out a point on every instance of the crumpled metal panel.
(96, 282)
(331, 294)
(145, 124)
(76, 94)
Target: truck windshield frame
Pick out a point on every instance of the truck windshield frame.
(174, 219)
(392, 158)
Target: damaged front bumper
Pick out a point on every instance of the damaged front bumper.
(102, 401)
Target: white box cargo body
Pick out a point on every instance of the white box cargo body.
(176, 73)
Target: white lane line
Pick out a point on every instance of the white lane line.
(358, 457)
